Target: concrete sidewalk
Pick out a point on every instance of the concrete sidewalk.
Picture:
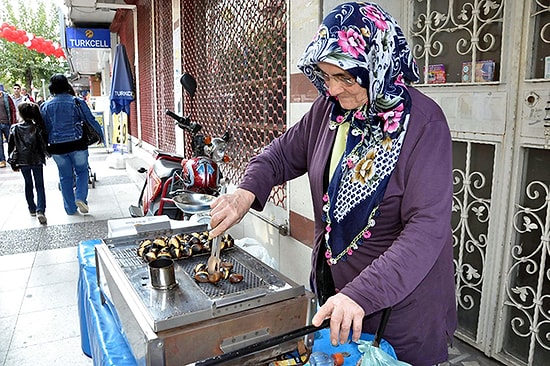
(39, 321)
(114, 191)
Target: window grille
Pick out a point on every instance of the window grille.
(163, 79)
(540, 20)
(527, 282)
(472, 181)
(451, 36)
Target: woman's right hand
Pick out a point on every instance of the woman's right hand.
(228, 210)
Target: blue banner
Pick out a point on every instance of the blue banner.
(88, 38)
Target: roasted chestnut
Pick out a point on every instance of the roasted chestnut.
(214, 277)
(201, 277)
(235, 277)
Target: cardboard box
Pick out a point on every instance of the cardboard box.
(485, 71)
(436, 74)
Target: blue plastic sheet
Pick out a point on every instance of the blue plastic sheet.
(102, 337)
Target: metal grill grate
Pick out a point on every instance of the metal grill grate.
(237, 51)
(127, 257)
(224, 287)
(128, 260)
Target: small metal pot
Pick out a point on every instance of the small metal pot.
(162, 273)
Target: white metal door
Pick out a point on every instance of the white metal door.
(484, 62)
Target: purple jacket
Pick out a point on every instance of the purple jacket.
(407, 263)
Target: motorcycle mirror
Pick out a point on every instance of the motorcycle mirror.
(189, 84)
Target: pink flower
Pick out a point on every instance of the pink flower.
(349, 163)
(351, 42)
(399, 80)
(366, 234)
(325, 197)
(359, 115)
(339, 119)
(327, 254)
(378, 19)
(327, 228)
(392, 118)
(350, 251)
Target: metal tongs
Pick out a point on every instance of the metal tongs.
(213, 264)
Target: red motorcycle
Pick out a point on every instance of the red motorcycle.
(175, 185)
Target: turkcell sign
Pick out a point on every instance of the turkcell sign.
(88, 38)
(124, 93)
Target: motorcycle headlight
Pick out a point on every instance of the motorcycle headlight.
(218, 152)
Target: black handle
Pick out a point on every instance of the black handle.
(259, 346)
(381, 327)
(176, 117)
(271, 342)
(184, 122)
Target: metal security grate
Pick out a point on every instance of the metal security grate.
(237, 52)
(470, 222)
(164, 81)
(146, 76)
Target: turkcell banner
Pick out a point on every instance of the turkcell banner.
(88, 38)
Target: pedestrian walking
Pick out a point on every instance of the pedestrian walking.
(8, 117)
(27, 152)
(25, 94)
(63, 116)
(17, 96)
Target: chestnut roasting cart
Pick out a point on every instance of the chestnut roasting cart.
(197, 321)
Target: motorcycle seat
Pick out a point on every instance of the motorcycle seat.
(165, 168)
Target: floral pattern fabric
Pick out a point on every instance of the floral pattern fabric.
(364, 40)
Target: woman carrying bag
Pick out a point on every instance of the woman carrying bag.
(63, 116)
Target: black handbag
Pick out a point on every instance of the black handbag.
(13, 158)
(88, 132)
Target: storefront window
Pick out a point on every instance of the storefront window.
(457, 41)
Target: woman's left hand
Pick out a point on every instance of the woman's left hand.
(345, 315)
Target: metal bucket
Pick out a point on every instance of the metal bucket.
(162, 273)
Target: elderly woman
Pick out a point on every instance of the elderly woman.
(378, 156)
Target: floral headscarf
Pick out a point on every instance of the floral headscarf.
(364, 40)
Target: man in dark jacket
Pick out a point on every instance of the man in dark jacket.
(7, 118)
